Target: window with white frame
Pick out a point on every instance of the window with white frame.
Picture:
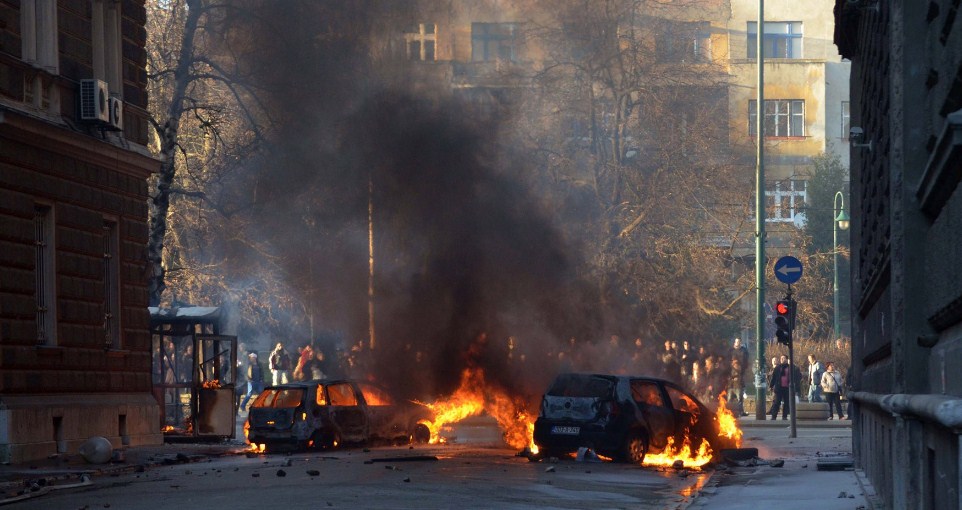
(421, 42)
(494, 41)
(45, 275)
(783, 117)
(38, 34)
(846, 120)
(783, 39)
(111, 285)
(785, 200)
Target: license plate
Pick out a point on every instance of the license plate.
(571, 431)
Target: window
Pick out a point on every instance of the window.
(786, 200)
(783, 117)
(783, 39)
(106, 44)
(846, 120)
(111, 286)
(45, 274)
(493, 41)
(684, 42)
(38, 29)
(421, 41)
(375, 396)
(341, 395)
(647, 393)
(681, 401)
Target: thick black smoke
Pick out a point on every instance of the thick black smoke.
(464, 249)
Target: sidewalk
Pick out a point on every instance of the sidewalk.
(798, 483)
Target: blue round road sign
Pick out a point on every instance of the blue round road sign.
(788, 269)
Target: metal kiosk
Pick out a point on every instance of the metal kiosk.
(194, 373)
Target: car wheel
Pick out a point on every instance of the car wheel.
(635, 448)
(422, 434)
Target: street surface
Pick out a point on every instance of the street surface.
(474, 472)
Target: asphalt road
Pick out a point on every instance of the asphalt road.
(471, 473)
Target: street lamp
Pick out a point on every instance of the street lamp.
(839, 223)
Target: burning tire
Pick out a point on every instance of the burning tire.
(635, 448)
(422, 434)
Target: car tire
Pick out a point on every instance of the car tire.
(635, 447)
(422, 434)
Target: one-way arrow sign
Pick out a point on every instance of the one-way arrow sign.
(788, 269)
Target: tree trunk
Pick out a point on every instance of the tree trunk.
(159, 202)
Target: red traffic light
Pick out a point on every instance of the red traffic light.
(781, 308)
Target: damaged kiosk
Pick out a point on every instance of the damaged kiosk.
(194, 373)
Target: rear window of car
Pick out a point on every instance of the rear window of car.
(375, 396)
(581, 386)
(279, 398)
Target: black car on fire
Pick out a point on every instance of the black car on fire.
(326, 413)
(623, 417)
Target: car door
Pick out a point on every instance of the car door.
(687, 412)
(650, 398)
(382, 416)
(347, 413)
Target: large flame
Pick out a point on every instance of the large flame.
(696, 458)
(673, 453)
(475, 396)
(727, 423)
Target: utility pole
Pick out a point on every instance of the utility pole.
(760, 383)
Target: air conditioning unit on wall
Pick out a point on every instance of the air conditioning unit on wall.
(115, 111)
(93, 101)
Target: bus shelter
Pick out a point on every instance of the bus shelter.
(194, 373)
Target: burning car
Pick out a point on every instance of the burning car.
(326, 413)
(623, 417)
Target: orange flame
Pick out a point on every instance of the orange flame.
(685, 454)
(473, 397)
(212, 384)
(727, 423)
(691, 458)
(255, 448)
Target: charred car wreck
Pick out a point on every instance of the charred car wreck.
(326, 413)
(623, 417)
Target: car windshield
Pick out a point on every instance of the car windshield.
(581, 386)
(279, 398)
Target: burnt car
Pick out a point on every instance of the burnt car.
(325, 413)
(623, 417)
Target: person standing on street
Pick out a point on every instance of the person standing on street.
(781, 384)
(255, 378)
(739, 364)
(815, 371)
(280, 365)
(832, 387)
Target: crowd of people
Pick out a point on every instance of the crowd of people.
(308, 364)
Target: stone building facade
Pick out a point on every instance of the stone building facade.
(906, 90)
(74, 340)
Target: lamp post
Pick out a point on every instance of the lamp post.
(840, 222)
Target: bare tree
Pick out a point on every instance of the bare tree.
(629, 120)
(204, 108)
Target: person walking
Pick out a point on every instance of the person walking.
(280, 365)
(255, 378)
(781, 384)
(832, 387)
(815, 371)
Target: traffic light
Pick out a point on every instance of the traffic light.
(783, 321)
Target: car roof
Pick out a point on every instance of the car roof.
(614, 376)
(311, 384)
